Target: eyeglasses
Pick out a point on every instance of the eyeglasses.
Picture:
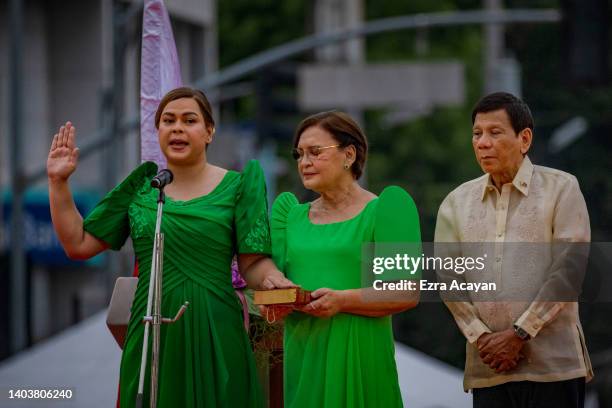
(313, 151)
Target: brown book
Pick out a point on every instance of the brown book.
(288, 296)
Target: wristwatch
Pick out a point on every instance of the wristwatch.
(521, 333)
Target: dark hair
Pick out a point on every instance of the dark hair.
(517, 110)
(344, 130)
(185, 92)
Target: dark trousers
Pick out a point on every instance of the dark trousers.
(529, 394)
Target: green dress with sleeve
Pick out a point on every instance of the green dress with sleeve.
(347, 360)
(205, 357)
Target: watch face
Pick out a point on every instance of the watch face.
(521, 333)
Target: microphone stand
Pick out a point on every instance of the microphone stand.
(153, 317)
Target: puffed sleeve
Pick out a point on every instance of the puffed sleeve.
(251, 218)
(397, 229)
(109, 219)
(278, 226)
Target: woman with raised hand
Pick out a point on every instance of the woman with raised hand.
(339, 349)
(210, 214)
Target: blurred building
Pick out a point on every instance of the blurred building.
(68, 71)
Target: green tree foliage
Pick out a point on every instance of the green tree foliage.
(247, 27)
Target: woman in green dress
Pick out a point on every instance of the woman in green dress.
(339, 349)
(210, 214)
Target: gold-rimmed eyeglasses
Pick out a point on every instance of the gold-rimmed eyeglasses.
(312, 151)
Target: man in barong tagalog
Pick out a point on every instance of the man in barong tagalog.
(526, 348)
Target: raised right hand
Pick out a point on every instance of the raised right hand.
(63, 156)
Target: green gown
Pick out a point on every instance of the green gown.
(346, 360)
(206, 359)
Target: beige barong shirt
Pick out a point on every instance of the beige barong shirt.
(541, 205)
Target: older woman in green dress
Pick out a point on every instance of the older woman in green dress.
(210, 214)
(339, 349)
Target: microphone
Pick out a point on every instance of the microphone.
(162, 179)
